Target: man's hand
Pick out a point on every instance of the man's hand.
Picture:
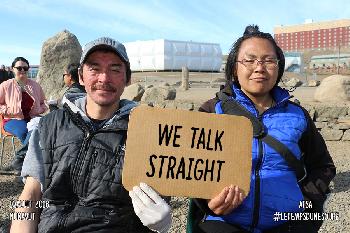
(228, 200)
(152, 210)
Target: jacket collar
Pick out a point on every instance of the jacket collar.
(279, 94)
(76, 103)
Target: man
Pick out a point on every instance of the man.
(75, 157)
(71, 79)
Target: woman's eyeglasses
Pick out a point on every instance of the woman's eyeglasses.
(251, 64)
(22, 68)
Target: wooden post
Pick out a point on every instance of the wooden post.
(185, 78)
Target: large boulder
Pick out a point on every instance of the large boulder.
(293, 82)
(313, 83)
(133, 92)
(158, 94)
(56, 53)
(335, 88)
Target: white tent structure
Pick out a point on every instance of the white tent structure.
(160, 55)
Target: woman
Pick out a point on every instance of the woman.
(21, 99)
(254, 68)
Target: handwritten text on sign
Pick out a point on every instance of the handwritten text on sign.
(183, 153)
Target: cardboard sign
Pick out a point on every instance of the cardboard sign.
(183, 153)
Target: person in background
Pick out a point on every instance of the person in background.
(9, 72)
(254, 68)
(71, 80)
(3, 74)
(75, 157)
(21, 99)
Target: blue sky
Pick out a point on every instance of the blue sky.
(26, 24)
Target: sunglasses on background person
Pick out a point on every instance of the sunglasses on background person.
(22, 68)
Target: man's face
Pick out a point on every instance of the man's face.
(104, 78)
(66, 78)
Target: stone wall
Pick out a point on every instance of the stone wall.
(333, 121)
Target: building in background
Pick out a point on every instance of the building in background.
(313, 36)
(33, 71)
(171, 55)
(330, 63)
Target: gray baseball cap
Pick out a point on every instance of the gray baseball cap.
(104, 43)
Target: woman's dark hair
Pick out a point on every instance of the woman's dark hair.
(19, 59)
(72, 69)
(251, 31)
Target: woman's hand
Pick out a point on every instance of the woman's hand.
(229, 198)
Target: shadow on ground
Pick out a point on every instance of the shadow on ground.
(341, 182)
(12, 187)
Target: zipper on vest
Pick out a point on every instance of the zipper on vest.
(79, 162)
(256, 210)
(88, 176)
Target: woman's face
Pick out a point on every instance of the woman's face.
(21, 70)
(259, 71)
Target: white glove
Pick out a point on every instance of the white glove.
(33, 123)
(152, 210)
(52, 102)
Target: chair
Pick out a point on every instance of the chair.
(3, 136)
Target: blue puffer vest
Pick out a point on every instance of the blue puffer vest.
(273, 186)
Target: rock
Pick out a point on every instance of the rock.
(159, 104)
(346, 136)
(158, 94)
(311, 110)
(185, 106)
(56, 53)
(313, 83)
(344, 119)
(164, 84)
(331, 134)
(133, 92)
(343, 126)
(293, 82)
(335, 88)
(170, 104)
(332, 112)
(178, 83)
(320, 125)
